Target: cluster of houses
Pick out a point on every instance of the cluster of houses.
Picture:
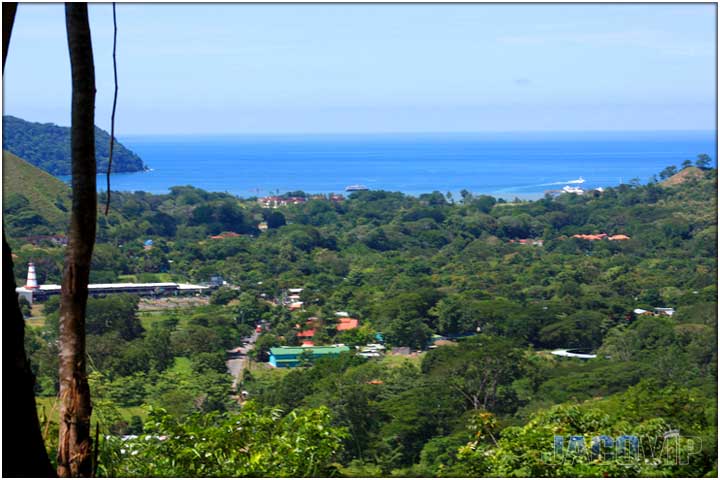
(36, 240)
(601, 236)
(292, 299)
(285, 357)
(223, 235)
(655, 312)
(536, 242)
(307, 333)
(371, 350)
(276, 201)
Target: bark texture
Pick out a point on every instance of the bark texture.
(23, 451)
(74, 447)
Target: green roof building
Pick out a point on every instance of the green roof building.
(283, 357)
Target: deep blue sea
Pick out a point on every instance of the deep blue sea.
(501, 164)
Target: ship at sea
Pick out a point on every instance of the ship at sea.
(356, 188)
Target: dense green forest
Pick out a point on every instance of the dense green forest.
(487, 401)
(47, 146)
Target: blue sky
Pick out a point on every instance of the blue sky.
(226, 68)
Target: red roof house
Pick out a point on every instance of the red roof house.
(346, 323)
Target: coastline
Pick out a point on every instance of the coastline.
(501, 165)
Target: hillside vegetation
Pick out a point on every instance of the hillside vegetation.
(34, 201)
(47, 146)
(487, 403)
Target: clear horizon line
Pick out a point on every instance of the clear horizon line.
(413, 132)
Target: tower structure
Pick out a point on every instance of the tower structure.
(31, 277)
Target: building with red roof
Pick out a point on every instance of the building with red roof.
(306, 333)
(347, 323)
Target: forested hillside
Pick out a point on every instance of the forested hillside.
(47, 146)
(502, 283)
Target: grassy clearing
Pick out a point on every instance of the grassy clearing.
(35, 322)
(43, 190)
(394, 361)
(182, 365)
(148, 277)
(49, 410)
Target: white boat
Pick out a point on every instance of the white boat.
(356, 188)
(579, 180)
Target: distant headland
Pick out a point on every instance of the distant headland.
(47, 146)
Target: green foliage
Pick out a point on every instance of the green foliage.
(275, 220)
(223, 295)
(116, 313)
(47, 146)
(34, 202)
(410, 268)
(252, 443)
(528, 450)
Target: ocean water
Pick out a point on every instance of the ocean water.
(506, 165)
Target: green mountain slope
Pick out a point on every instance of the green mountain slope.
(47, 146)
(31, 197)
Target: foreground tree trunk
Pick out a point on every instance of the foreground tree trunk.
(23, 451)
(74, 448)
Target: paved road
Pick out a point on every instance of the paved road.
(237, 365)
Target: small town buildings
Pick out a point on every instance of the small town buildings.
(285, 357)
(306, 333)
(536, 242)
(601, 236)
(31, 291)
(224, 235)
(52, 239)
(573, 353)
(591, 237)
(371, 350)
(347, 323)
(275, 201)
(656, 312)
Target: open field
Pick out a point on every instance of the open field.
(48, 409)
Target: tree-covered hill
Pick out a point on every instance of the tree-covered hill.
(34, 202)
(506, 283)
(47, 146)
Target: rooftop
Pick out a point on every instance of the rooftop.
(347, 323)
(319, 350)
